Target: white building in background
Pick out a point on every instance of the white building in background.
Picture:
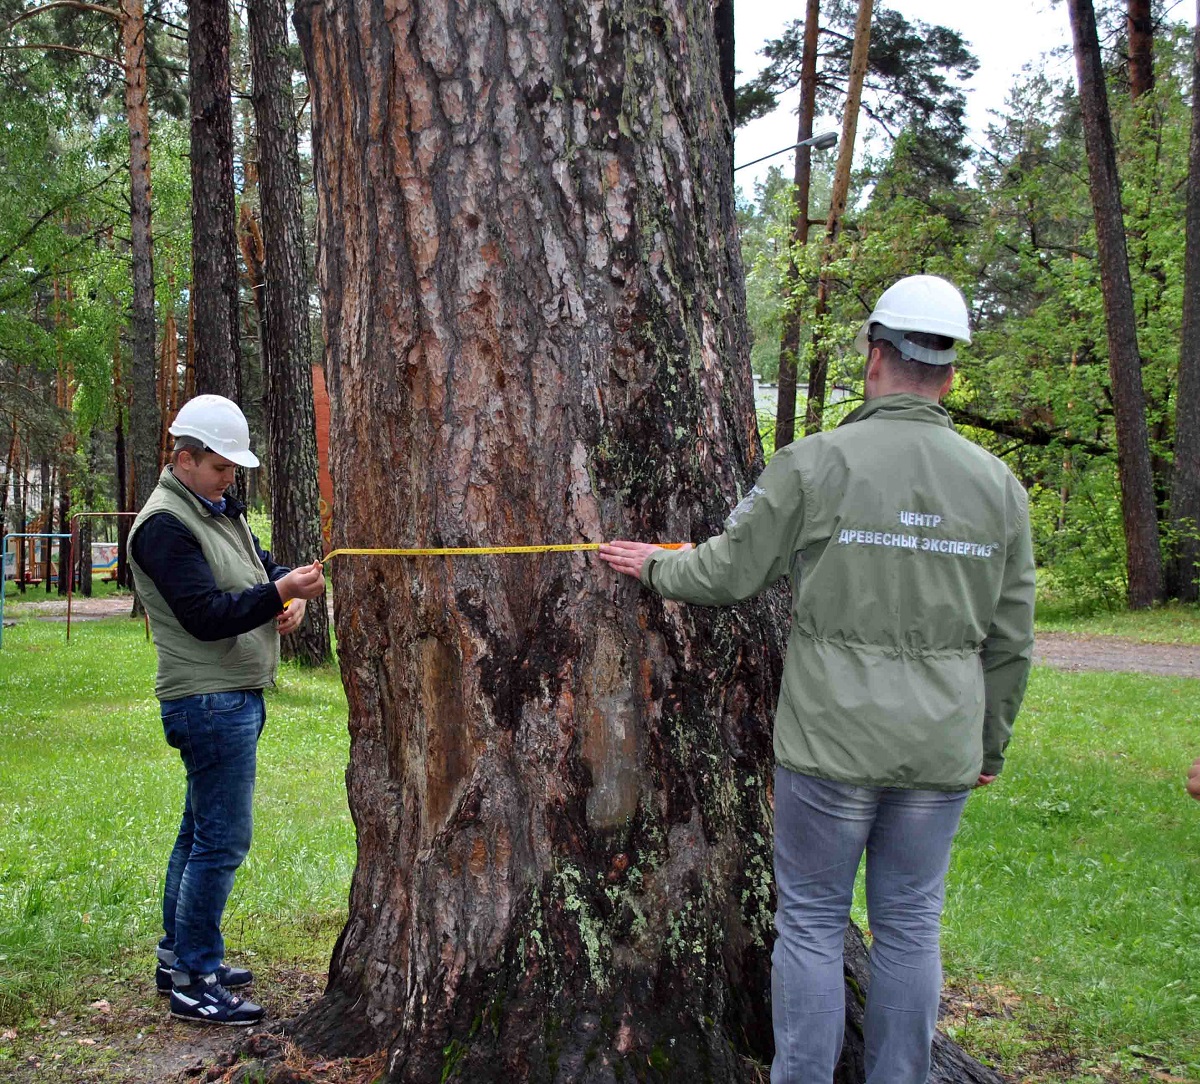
(766, 396)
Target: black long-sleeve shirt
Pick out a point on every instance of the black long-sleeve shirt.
(171, 556)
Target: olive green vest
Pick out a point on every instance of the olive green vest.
(187, 666)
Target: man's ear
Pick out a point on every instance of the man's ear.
(946, 383)
(874, 367)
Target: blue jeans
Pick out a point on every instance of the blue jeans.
(821, 831)
(217, 738)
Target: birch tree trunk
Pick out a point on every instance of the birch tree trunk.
(214, 239)
(818, 367)
(1143, 557)
(534, 322)
(789, 346)
(286, 342)
(1185, 478)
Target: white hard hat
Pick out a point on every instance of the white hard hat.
(219, 424)
(924, 303)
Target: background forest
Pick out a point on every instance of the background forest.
(1010, 219)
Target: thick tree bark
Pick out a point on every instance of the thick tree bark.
(1143, 556)
(789, 345)
(286, 342)
(723, 22)
(1140, 24)
(818, 368)
(145, 419)
(533, 309)
(214, 241)
(1185, 479)
(534, 320)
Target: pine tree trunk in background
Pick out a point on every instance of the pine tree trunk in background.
(818, 367)
(1143, 556)
(65, 553)
(1185, 479)
(120, 469)
(86, 524)
(46, 519)
(534, 315)
(214, 241)
(789, 345)
(286, 339)
(145, 419)
(1140, 28)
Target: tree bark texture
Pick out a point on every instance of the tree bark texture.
(533, 309)
(1185, 478)
(145, 419)
(789, 345)
(1140, 27)
(214, 221)
(534, 321)
(286, 340)
(818, 367)
(723, 21)
(1143, 556)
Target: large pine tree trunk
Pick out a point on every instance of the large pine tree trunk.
(534, 317)
(1143, 557)
(145, 419)
(1185, 479)
(286, 342)
(789, 343)
(533, 307)
(214, 240)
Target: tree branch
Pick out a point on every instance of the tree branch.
(51, 212)
(66, 49)
(79, 5)
(1031, 435)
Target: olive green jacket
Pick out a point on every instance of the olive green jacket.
(188, 666)
(912, 577)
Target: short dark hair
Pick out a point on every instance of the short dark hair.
(197, 448)
(915, 374)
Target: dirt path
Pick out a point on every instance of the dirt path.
(36, 604)
(1067, 651)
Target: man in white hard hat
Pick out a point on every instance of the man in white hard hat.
(218, 605)
(911, 566)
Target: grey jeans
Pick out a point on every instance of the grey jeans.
(821, 831)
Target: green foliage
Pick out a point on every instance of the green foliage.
(1016, 233)
(912, 84)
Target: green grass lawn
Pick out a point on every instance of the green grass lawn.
(1171, 624)
(90, 797)
(1073, 910)
(1075, 881)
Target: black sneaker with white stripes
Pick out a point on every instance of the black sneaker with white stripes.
(208, 1002)
(232, 978)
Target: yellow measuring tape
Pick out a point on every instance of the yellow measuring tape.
(474, 551)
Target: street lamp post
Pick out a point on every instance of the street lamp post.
(818, 142)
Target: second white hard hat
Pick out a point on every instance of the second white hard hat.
(219, 424)
(924, 303)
